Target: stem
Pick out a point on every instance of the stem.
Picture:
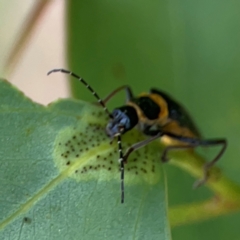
(227, 192)
(25, 35)
(196, 212)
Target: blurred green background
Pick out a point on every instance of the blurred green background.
(191, 49)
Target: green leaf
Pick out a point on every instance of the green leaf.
(60, 176)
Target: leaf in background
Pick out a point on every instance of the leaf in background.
(60, 178)
(191, 49)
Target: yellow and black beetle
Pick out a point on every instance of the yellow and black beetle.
(156, 115)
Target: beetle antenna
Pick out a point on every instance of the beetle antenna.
(100, 101)
(121, 162)
(80, 79)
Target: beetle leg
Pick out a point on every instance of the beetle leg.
(129, 94)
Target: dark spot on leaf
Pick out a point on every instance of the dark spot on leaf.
(68, 163)
(27, 220)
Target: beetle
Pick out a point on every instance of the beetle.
(158, 116)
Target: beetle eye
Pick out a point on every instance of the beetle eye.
(116, 113)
